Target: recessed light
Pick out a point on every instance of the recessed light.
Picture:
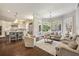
(8, 10)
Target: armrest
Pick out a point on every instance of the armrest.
(65, 50)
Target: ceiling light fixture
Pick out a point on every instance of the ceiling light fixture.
(16, 21)
(9, 11)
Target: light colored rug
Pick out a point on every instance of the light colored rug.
(50, 48)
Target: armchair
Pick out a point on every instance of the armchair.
(68, 50)
(29, 41)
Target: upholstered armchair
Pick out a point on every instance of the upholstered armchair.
(68, 49)
(19, 35)
(12, 36)
(29, 41)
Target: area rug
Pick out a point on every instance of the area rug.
(46, 47)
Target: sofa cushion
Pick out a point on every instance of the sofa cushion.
(73, 44)
(77, 40)
(78, 48)
(74, 37)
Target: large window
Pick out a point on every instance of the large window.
(69, 24)
(46, 26)
(51, 25)
(56, 25)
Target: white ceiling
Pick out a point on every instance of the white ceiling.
(25, 10)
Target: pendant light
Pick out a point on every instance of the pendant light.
(16, 20)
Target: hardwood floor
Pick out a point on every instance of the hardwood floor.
(18, 49)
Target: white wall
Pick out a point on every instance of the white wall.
(72, 14)
(5, 26)
(36, 22)
(77, 20)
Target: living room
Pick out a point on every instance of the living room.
(51, 28)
